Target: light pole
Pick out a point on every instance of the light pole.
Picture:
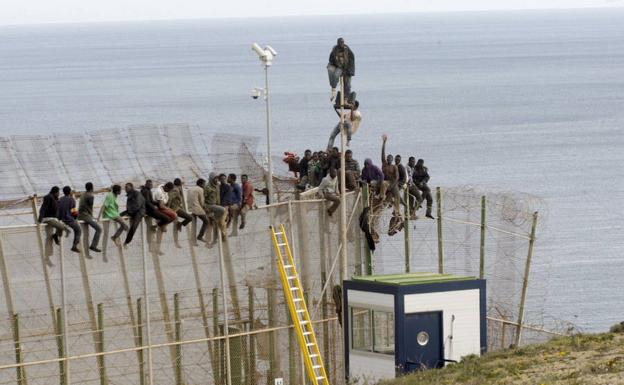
(266, 57)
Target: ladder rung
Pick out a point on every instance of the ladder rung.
(320, 378)
(294, 288)
(310, 344)
(313, 355)
(307, 333)
(304, 322)
(297, 300)
(292, 277)
(316, 366)
(301, 311)
(281, 244)
(287, 266)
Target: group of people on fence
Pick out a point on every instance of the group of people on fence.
(219, 201)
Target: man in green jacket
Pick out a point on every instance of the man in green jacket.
(212, 202)
(111, 211)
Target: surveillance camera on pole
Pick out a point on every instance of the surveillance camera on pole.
(266, 56)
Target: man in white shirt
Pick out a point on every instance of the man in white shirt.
(328, 188)
(352, 120)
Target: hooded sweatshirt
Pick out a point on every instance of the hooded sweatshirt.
(370, 172)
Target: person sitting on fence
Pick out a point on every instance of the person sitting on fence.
(67, 213)
(237, 199)
(247, 199)
(111, 211)
(48, 215)
(391, 177)
(304, 170)
(212, 202)
(292, 160)
(372, 175)
(151, 209)
(85, 213)
(160, 195)
(415, 197)
(352, 171)
(352, 120)
(176, 203)
(328, 189)
(421, 178)
(195, 200)
(135, 209)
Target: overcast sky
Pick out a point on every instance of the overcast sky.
(63, 11)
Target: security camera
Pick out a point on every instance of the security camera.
(265, 55)
(257, 92)
(271, 50)
(258, 50)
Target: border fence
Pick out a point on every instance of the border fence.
(156, 312)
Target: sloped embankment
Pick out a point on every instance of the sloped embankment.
(585, 359)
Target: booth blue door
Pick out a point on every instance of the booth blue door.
(423, 341)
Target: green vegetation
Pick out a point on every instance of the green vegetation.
(583, 359)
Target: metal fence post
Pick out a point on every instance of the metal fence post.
(150, 369)
(440, 233)
(406, 230)
(178, 338)
(482, 243)
(525, 281)
(139, 334)
(100, 344)
(21, 371)
(226, 330)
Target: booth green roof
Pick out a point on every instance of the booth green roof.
(411, 279)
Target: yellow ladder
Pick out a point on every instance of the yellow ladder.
(298, 308)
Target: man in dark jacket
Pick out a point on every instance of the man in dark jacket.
(48, 215)
(151, 207)
(67, 213)
(85, 213)
(421, 178)
(341, 64)
(135, 209)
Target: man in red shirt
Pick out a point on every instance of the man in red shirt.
(248, 199)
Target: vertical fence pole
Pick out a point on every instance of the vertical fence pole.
(251, 375)
(139, 334)
(525, 281)
(21, 371)
(64, 314)
(406, 230)
(440, 236)
(225, 310)
(44, 258)
(150, 371)
(482, 243)
(100, 344)
(215, 326)
(178, 338)
(60, 335)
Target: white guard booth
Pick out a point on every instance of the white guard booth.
(397, 324)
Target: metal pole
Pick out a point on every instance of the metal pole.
(406, 230)
(525, 282)
(440, 239)
(226, 330)
(343, 188)
(267, 97)
(148, 327)
(482, 244)
(369, 254)
(64, 313)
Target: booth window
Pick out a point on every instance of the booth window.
(372, 331)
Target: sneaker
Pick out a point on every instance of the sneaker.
(333, 95)
(75, 249)
(242, 226)
(93, 248)
(430, 216)
(56, 239)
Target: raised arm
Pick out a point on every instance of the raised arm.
(384, 138)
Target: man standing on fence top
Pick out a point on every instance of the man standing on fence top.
(67, 213)
(341, 64)
(85, 213)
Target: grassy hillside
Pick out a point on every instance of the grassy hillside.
(584, 359)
